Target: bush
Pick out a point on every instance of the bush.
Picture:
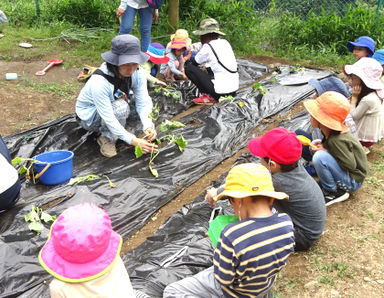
(330, 30)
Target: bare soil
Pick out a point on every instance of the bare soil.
(348, 260)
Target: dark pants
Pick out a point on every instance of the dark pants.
(306, 153)
(9, 197)
(302, 243)
(203, 81)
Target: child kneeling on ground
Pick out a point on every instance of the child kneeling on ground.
(250, 253)
(82, 254)
(340, 161)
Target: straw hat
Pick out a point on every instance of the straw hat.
(369, 70)
(81, 245)
(125, 49)
(248, 180)
(183, 34)
(330, 109)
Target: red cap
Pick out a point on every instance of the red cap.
(278, 144)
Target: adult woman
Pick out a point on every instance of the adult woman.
(217, 55)
(367, 99)
(99, 107)
(127, 11)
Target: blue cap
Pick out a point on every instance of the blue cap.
(329, 84)
(363, 41)
(379, 56)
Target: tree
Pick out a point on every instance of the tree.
(173, 15)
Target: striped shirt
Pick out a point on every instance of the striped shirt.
(250, 254)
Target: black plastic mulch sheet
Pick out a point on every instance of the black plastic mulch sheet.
(213, 134)
(180, 248)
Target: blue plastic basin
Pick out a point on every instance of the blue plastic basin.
(61, 169)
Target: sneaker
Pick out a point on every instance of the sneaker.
(204, 100)
(335, 197)
(107, 147)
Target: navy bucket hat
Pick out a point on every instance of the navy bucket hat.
(329, 84)
(125, 49)
(363, 41)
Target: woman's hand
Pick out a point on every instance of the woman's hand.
(161, 83)
(119, 12)
(155, 16)
(146, 146)
(151, 134)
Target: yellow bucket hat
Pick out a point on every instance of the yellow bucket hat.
(249, 180)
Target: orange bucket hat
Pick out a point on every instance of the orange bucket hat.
(178, 43)
(330, 109)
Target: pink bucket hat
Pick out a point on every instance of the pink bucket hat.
(369, 71)
(81, 245)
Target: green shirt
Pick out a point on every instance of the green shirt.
(349, 154)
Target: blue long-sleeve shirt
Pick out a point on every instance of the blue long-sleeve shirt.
(97, 97)
(171, 64)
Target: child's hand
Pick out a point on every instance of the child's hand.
(211, 193)
(161, 83)
(317, 146)
(188, 56)
(356, 90)
(183, 75)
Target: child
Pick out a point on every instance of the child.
(280, 151)
(82, 254)
(367, 99)
(175, 67)
(222, 78)
(251, 252)
(364, 46)
(183, 35)
(156, 57)
(379, 56)
(332, 84)
(339, 160)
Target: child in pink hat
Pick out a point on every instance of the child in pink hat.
(174, 69)
(82, 254)
(367, 100)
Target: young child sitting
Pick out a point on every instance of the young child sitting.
(250, 253)
(339, 160)
(175, 67)
(379, 56)
(156, 57)
(367, 99)
(364, 46)
(82, 254)
(280, 151)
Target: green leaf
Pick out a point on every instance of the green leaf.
(16, 161)
(182, 143)
(33, 215)
(22, 170)
(87, 178)
(46, 217)
(36, 226)
(138, 151)
(158, 141)
(153, 172)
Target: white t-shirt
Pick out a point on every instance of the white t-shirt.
(136, 4)
(8, 174)
(224, 81)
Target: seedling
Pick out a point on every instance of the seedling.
(165, 127)
(273, 80)
(229, 98)
(169, 91)
(258, 87)
(90, 177)
(35, 218)
(26, 168)
(154, 115)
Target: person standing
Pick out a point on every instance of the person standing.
(127, 11)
